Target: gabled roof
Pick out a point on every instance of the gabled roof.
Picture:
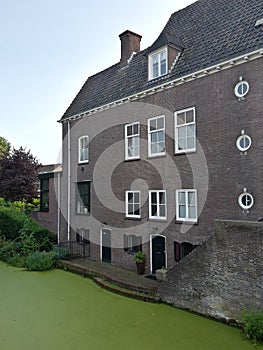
(210, 31)
(166, 39)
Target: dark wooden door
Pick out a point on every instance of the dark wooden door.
(106, 245)
(158, 253)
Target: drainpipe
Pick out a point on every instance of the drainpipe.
(69, 182)
(59, 199)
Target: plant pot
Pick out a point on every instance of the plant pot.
(140, 267)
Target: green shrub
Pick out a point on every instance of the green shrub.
(252, 325)
(60, 253)
(39, 261)
(11, 222)
(17, 260)
(9, 249)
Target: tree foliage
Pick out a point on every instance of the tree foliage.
(4, 147)
(19, 176)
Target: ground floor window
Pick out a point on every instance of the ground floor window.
(82, 236)
(182, 249)
(44, 195)
(132, 243)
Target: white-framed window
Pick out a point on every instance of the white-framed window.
(245, 200)
(186, 205)
(158, 64)
(241, 89)
(83, 149)
(132, 200)
(157, 205)
(156, 136)
(243, 143)
(132, 141)
(185, 130)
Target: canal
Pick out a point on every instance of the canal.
(57, 310)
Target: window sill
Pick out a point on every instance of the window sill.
(160, 155)
(131, 159)
(132, 219)
(187, 222)
(157, 219)
(183, 153)
(82, 214)
(83, 163)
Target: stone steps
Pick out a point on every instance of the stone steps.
(112, 283)
(124, 291)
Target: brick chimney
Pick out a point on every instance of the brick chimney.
(130, 43)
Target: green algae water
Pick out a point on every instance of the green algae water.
(57, 310)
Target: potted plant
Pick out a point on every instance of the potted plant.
(140, 262)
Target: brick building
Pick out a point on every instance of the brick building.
(158, 146)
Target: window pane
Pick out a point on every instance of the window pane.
(154, 137)
(136, 209)
(154, 210)
(163, 63)
(130, 209)
(182, 144)
(161, 147)
(189, 116)
(154, 148)
(155, 70)
(182, 132)
(162, 197)
(181, 198)
(129, 130)
(135, 128)
(130, 196)
(182, 211)
(192, 213)
(154, 197)
(190, 143)
(180, 118)
(162, 210)
(191, 198)
(152, 124)
(160, 135)
(136, 197)
(160, 123)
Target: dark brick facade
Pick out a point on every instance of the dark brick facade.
(223, 277)
(217, 170)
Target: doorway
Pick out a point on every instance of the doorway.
(158, 254)
(106, 245)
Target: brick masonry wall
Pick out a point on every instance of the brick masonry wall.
(220, 117)
(223, 277)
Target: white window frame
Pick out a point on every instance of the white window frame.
(150, 62)
(80, 149)
(177, 127)
(127, 137)
(240, 83)
(150, 154)
(133, 203)
(239, 147)
(186, 218)
(245, 207)
(157, 217)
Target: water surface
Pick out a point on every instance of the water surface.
(57, 310)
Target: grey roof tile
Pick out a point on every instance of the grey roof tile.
(211, 32)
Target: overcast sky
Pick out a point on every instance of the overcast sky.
(50, 47)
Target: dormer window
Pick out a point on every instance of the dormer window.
(158, 63)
